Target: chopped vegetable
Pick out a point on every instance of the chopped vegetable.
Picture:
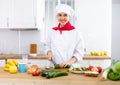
(90, 67)
(84, 68)
(77, 69)
(68, 66)
(57, 66)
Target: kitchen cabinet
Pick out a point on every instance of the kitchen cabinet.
(4, 14)
(22, 14)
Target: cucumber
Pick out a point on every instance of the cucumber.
(53, 74)
(50, 75)
(60, 73)
(45, 73)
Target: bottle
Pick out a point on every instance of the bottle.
(33, 50)
(25, 58)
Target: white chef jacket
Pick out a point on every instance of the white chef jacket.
(66, 45)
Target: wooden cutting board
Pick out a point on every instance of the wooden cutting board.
(61, 69)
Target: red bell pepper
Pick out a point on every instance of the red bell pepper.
(99, 69)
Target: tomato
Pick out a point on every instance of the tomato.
(36, 73)
(90, 67)
(99, 69)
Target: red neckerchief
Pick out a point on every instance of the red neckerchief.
(67, 27)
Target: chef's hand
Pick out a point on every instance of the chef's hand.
(49, 55)
(71, 61)
(64, 64)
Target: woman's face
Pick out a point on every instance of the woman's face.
(63, 18)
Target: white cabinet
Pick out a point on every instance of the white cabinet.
(22, 14)
(3, 14)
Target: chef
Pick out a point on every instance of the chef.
(65, 44)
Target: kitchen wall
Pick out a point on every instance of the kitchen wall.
(94, 21)
(15, 42)
(10, 41)
(116, 29)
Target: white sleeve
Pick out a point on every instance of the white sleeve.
(79, 50)
(48, 42)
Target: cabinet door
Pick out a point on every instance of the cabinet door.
(22, 14)
(3, 14)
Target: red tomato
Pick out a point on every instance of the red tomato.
(36, 73)
(90, 67)
(99, 69)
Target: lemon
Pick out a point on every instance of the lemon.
(105, 53)
(92, 52)
(101, 53)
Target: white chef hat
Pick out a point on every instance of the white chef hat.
(64, 8)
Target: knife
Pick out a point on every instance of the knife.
(53, 62)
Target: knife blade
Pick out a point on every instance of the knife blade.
(53, 62)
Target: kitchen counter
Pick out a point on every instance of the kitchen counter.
(72, 79)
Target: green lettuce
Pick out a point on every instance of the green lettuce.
(116, 67)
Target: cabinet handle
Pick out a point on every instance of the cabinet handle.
(35, 21)
(7, 22)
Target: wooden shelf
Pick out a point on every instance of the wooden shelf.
(96, 58)
(16, 56)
